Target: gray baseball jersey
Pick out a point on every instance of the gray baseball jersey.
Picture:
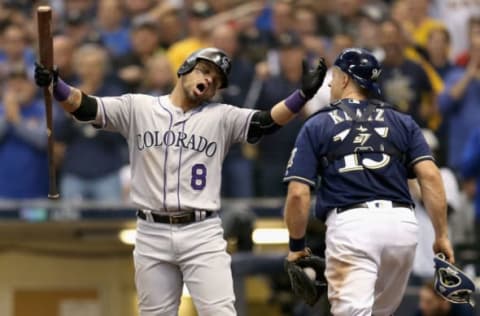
(176, 157)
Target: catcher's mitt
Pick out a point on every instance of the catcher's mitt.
(310, 290)
(451, 283)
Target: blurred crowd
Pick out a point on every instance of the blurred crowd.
(429, 50)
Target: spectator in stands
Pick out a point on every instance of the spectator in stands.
(281, 22)
(401, 13)
(369, 22)
(418, 23)
(471, 171)
(114, 33)
(275, 151)
(455, 15)
(84, 8)
(15, 49)
(463, 59)
(63, 49)
(237, 172)
(137, 8)
(131, 66)
(459, 103)
(344, 18)
(23, 141)
(431, 304)
(171, 27)
(22, 6)
(197, 34)
(202, 20)
(403, 82)
(80, 29)
(438, 50)
(306, 26)
(100, 181)
(159, 78)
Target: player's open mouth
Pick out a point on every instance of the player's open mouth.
(200, 88)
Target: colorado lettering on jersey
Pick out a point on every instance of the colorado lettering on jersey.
(177, 139)
(378, 116)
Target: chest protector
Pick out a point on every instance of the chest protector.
(365, 135)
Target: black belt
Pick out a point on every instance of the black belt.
(365, 205)
(185, 218)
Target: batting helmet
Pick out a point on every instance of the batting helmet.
(360, 65)
(451, 283)
(214, 55)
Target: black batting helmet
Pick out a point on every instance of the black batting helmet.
(362, 66)
(214, 55)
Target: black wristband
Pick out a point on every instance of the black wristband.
(296, 244)
(87, 111)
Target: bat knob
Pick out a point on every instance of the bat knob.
(55, 196)
(44, 8)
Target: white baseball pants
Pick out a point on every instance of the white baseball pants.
(166, 256)
(369, 256)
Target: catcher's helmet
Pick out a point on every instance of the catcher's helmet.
(451, 283)
(362, 66)
(214, 55)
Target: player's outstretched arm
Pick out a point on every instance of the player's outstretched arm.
(80, 105)
(312, 80)
(433, 195)
(267, 122)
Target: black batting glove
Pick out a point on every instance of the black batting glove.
(312, 78)
(44, 77)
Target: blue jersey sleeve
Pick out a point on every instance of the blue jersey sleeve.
(303, 163)
(418, 148)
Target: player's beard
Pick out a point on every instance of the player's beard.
(193, 97)
(190, 95)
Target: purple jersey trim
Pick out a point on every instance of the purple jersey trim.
(179, 170)
(165, 160)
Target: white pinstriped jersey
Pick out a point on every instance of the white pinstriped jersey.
(176, 158)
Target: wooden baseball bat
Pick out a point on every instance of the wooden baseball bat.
(45, 49)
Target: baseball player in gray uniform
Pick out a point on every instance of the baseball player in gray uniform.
(177, 143)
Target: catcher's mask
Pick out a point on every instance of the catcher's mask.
(213, 55)
(451, 283)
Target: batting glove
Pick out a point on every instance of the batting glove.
(312, 78)
(44, 77)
